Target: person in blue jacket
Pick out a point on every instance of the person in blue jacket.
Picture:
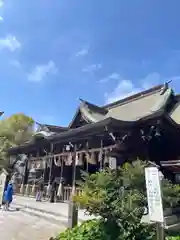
(8, 196)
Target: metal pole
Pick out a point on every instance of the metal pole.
(160, 231)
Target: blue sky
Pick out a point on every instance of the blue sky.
(53, 52)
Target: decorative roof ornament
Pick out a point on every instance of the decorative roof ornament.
(165, 87)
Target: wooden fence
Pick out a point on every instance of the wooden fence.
(30, 191)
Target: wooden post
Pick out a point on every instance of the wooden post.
(101, 160)
(25, 173)
(60, 192)
(87, 164)
(51, 163)
(72, 207)
(74, 172)
(45, 166)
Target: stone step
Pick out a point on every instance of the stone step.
(171, 211)
(174, 227)
(43, 215)
(55, 217)
(173, 219)
(44, 210)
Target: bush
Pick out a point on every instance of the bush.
(118, 197)
(102, 230)
(90, 230)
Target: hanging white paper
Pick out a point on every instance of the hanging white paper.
(112, 163)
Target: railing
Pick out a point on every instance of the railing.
(31, 190)
(67, 193)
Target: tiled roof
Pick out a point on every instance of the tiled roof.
(129, 109)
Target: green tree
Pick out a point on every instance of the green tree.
(14, 131)
(119, 197)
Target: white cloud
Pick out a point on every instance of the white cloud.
(10, 42)
(127, 88)
(15, 63)
(124, 89)
(83, 52)
(1, 3)
(92, 68)
(41, 71)
(113, 76)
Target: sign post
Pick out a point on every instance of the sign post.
(154, 196)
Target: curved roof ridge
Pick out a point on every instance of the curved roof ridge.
(134, 96)
(52, 128)
(50, 125)
(94, 106)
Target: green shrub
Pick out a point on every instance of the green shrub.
(104, 230)
(119, 198)
(90, 230)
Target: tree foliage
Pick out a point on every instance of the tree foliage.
(119, 197)
(95, 229)
(14, 131)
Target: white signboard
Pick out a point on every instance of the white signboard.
(154, 194)
(2, 185)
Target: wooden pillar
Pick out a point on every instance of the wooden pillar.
(87, 164)
(74, 170)
(45, 165)
(51, 163)
(62, 167)
(25, 175)
(72, 208)
(101, 159)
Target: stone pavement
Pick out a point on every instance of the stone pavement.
(16, 225)
(56, 211)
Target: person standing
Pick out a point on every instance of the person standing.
(39, 192)
(53, 192)
(8, 196)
